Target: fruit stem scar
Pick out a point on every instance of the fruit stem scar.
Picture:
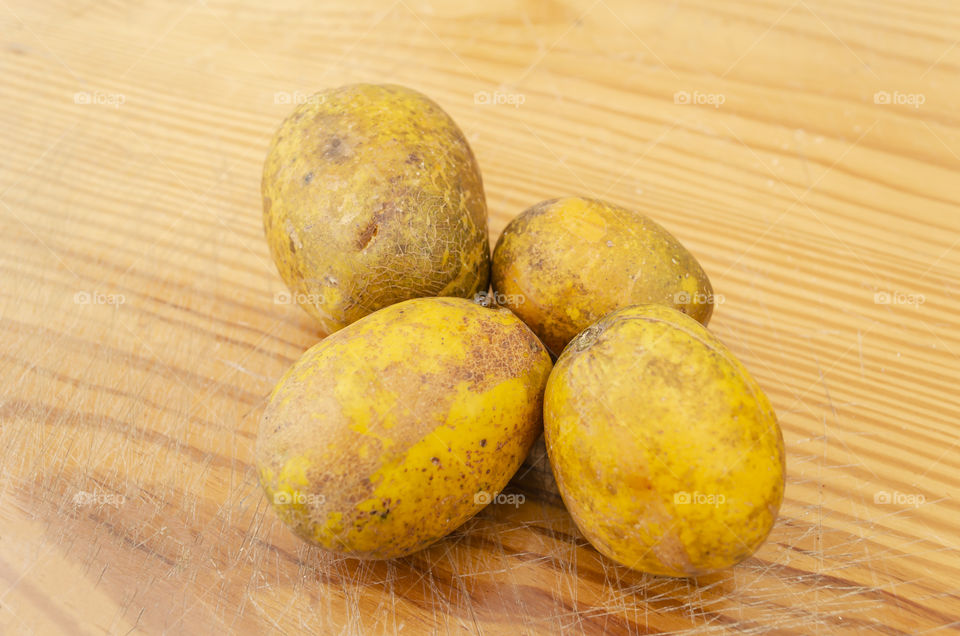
(589, 336)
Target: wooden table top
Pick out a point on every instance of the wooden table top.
(807, 152)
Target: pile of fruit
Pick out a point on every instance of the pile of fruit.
(430, 389)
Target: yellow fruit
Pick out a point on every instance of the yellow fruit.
(665, 450)
(372, 196)
(564, 264)
(390, 433)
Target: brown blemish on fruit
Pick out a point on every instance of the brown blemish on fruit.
(337, 150)
(367, 235)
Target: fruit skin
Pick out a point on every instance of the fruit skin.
(565, 263)
(372, 196)
(645, 410)
(389, 434)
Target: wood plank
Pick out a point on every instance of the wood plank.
(127, 498)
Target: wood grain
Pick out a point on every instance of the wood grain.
(141, 334)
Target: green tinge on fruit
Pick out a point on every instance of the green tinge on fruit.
(665, 450)
(372, 196)
(389, 434)
(564, 264)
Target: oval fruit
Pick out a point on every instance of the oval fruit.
(387, 435)
(564, 264)
(372, 196)
(666, 452)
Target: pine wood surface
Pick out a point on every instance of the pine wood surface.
(812, 169)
